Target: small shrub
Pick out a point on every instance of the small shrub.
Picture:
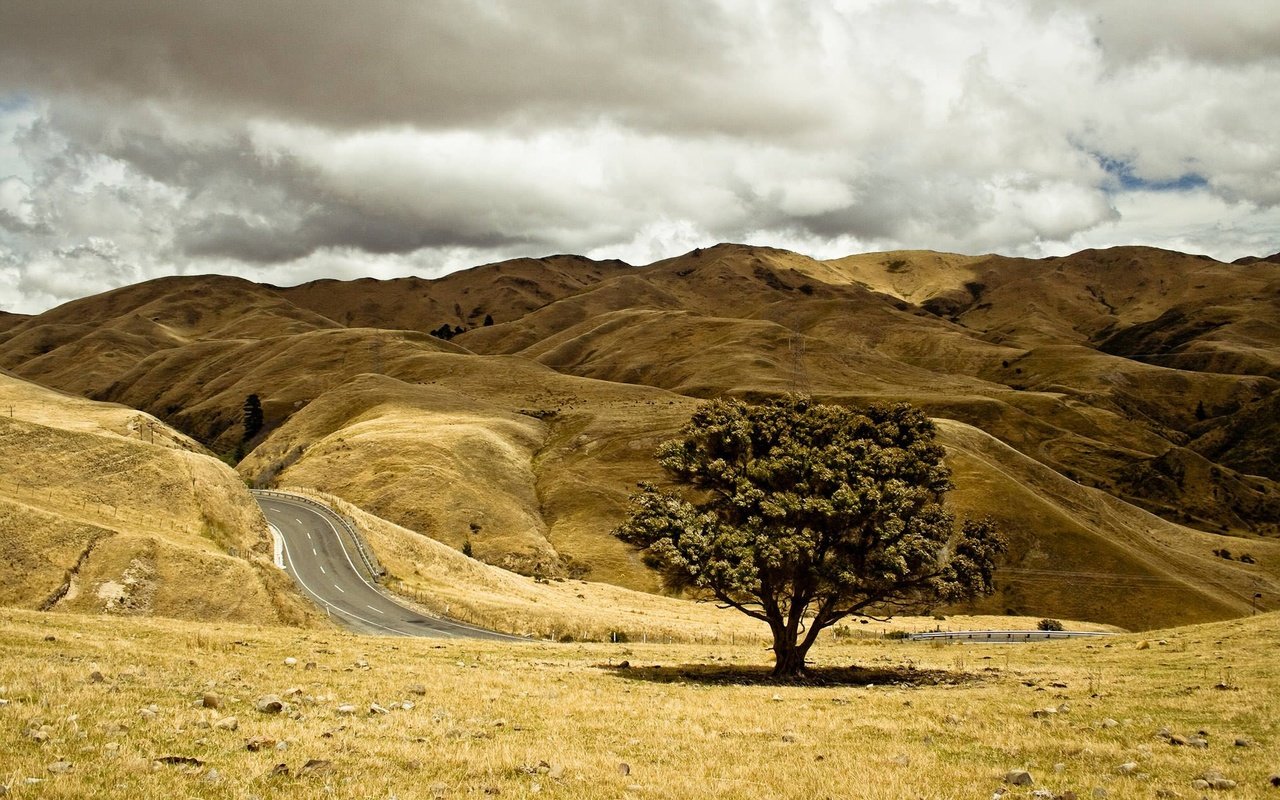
(466, 548)
(898, 635)
(1047, 624)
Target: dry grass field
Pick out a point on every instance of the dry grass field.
(93, 707)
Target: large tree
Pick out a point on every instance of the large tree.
(800, 514)
(252, 417)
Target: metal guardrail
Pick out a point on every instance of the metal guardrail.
(366, 555)
(1003, 636)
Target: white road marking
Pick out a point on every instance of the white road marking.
(314, 553)
(308, 534)
(331, 606)
(322, 572)
(339, 588)
(380, 611)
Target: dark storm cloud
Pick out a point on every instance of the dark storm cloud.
(659, 64)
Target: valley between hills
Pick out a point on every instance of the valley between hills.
(1116, 411)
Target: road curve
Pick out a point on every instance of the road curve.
(324, 567)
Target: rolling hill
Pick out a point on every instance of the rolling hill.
(1116, 409)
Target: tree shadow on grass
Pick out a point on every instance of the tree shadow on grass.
(740, 675)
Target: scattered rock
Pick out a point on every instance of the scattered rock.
(316, 766)
(1177, 741)
(1198, 742)
(902, 760)
(227, 724)
(179, 761)
(310, 665)
(418, 689)
(1144, 645)
(1043, 794)
(59, 767)
(556, 772)
(1217, 780)
(346, 708)
(269, 704)
(96, 677)
(258, 744)
(624, 769)
(290, 661)
(1108, 723)
(1041, 713)
(374, 708)
(1274, 780)
(1200, 784)
(788, 737)
(149, 713)
(280, 771)
(1100, 793)
(211, 700)
(1166, 793)
(1018, 777)
(212, 776)
(1242, 742)
(1127, 768)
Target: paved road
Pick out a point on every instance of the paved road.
(325, 568)
(1003, 637)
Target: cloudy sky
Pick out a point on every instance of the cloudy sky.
(289, 141)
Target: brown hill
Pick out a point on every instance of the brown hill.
(1147, 376)
(106, 509)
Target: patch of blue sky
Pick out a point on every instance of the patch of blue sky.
(1124, 179)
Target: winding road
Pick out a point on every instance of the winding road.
(330, 571)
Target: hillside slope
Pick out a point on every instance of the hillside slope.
(104, 509)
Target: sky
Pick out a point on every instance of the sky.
(284, 142)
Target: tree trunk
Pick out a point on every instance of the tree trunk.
(788, 658)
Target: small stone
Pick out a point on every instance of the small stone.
(1108, 723)
(1043, 794)
(624, 769)
(269, 704)
(1018, 777)
(1243, 742)
(1127, 768)
(1144, 645)
(96, 677)
(788, 737)
(374, 708)
(1100, 793)
(1274, 780)
(556, 772)
(1198, 742)
(1177, 741)
(290, 661)
(1059, 767)
(346, 708)
(280, 771)
(1166, 793)
(777, 698)
(315, 765)
(310, 665)
(60, 767)
(211, 700)
(227, 724)
(902, 760)
(212, 776)
(259, 743)
(1200, 784)
(418, 689)
(281, 747)
(1164, 733)
(1041, 713)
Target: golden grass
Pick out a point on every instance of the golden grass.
(557, 720)
(105, 509)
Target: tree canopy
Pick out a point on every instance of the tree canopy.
(800, 514)
(252, 417)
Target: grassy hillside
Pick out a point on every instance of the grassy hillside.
(105, 509)
(1146, 375)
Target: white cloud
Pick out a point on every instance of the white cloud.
(222, 137)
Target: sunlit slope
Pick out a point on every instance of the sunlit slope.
(105, 509)
(533, 471)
